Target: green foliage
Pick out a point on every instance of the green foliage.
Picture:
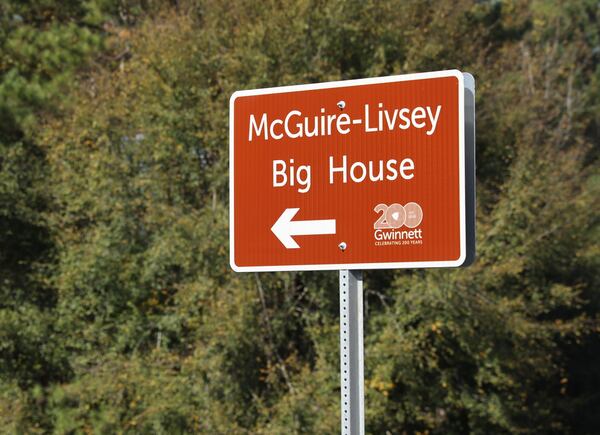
(120, 313)
(39, 55)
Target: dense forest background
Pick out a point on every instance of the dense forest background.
(118, 309)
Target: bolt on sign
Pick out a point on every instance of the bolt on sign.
(358, 174)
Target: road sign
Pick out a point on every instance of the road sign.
(357, 174)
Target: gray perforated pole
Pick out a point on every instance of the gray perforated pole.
(351, 352)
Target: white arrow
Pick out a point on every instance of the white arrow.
(284, 228)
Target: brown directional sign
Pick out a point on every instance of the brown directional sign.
(357, 174)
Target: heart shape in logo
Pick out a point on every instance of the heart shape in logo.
(396, 215)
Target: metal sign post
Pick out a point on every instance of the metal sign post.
(352, 353)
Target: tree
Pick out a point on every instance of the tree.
(152, 333)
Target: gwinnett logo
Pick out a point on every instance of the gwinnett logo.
(388, 226)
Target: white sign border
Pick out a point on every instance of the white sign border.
(345, 83)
